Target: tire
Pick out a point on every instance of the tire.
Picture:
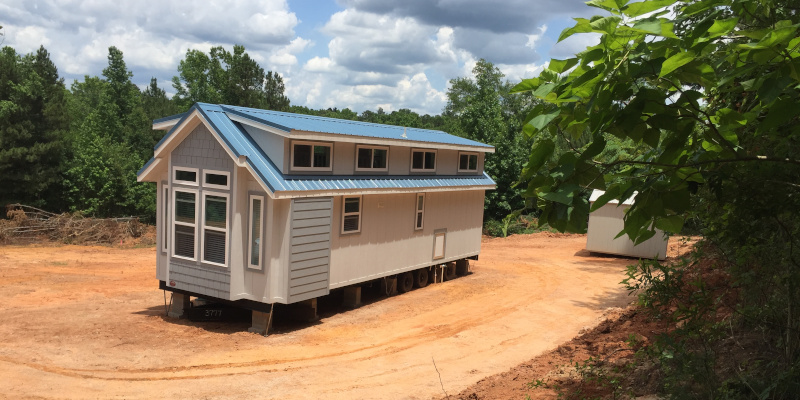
(405, 282)
(450, 271)
(421, 278)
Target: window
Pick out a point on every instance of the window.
(372, 158)
(467, 162)
(185, 224)
(215, 228)
(423, 160)
(420, 210)
(312, 156)
(256, 211)
(164, 224)
(216, 179)
(186, 176)
(351, 214)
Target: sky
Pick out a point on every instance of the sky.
(357, 54)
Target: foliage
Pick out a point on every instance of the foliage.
(708, 89)
(222, 77)
(481, 109)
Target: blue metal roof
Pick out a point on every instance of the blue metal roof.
(236, 138)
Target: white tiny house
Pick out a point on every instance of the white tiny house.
(607, 221)
(260, 207)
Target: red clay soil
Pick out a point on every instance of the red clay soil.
(89, 322)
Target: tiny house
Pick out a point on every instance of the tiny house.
(607, 221)
(260, 207)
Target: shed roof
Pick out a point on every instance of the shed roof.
(247, 153)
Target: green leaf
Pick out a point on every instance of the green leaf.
(560, 66)
(675, 62)
(655, 26)
(672, 224)
(541, 120)
(526, 85)
(722, 27)
(608, 5)
(605, 24)
(540, 153)
(644, 7)
(582, 26)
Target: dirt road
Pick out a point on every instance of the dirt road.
(88, 322)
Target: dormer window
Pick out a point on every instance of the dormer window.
(423, 160)
(467, 162)
(372, 158)
(312, 156)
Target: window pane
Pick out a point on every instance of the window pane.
(430, 160)
(184, 241)
(214, 247)
(364, 158)
(184, 207)
(255, 233)
(417, 160)
(189, 176)
(420, 202)
(379, 158)
(216, 211)
(217, 179)
(463, 161)
(351, 205)
(302, 155)
(419, 220)
(473, 162)
(322, 156)
(350, 223)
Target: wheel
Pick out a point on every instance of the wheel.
(405, 282)
(450, 271)
(462, 267)
(421, 278)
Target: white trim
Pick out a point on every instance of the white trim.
(174, 222)
(256, 124)
(312, 167)
(372, 158)
(468, 153)
(166, 125)
(214, 172)
(436, 235)
(177, 181)
(346, 214)
(165, 218)
(419, 213)
(226, 230)
(140, 177)
(423, 151)
(250, 232)
(191, 121)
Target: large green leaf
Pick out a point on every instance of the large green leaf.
(541, 120)
(644, 7)
(675, 62)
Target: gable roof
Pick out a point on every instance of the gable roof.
(223, 122)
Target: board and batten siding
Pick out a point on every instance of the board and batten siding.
(200, 149)
(309, 258)
(388, 244)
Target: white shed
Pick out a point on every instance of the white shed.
(607, 221)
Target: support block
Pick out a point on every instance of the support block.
(261, 322)
(462, 267)
(305, 310)
(352, 297)
(180, 303)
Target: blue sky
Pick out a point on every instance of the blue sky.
(357, 54)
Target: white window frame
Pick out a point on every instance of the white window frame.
(359, 213)
(213, 186)
(250, 233)
(214, 228)
(418, 212)
(468, 153)
(165, 225)
(423, 151)
(312, 167)
(359, 147)
(186, 169)
(176, 222)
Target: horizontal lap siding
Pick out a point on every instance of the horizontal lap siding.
(200, 280)
(309, 259)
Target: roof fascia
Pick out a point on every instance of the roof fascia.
(336, 137)
(165, 125)
(243, 119)
(144, 174)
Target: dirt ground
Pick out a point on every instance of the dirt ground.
(89, 322)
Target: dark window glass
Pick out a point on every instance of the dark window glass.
(364, 158)
(430, 160)
(216, 211)
(187, 176)
(419, 220)
(417, 160)
(217, 179)
(379, 158)
(255, 233)
(350, 223)
(302, 155)
(473, 162)
(322, 156)
(463, 161)
(214, 247)
(184, 241)
(184, 207)
(351, 205)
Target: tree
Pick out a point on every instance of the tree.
(33, 121)
(710, 88)
(228, 78)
